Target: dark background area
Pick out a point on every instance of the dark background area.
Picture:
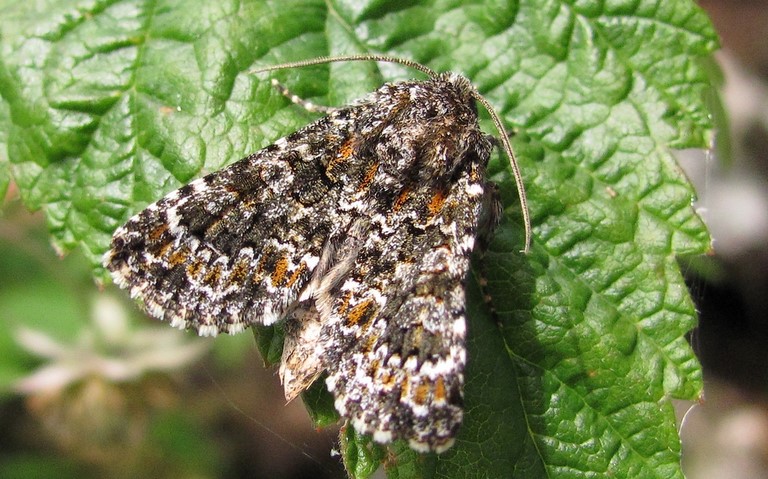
(727, 434)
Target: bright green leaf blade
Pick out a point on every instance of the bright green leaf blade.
(114, 104)
(269, 340)
(320, 404)
(361, 455)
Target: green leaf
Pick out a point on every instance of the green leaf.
(361, 455)
(113, 104)
(269, 340)
(320, 404)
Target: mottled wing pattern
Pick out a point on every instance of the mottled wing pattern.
(358, 231)
(394, 336)
(236, 247)
(399, 324)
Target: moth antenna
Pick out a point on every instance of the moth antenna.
(506, 145)
(351, 58)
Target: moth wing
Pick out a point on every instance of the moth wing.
(395, 335)
(235, 247)
(302, 359)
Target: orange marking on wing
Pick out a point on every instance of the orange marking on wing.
(404, 388)
(233, 189)
(156, 233)
(239, 272)
(474, 175)
(344, 153)
(260, 265)
(440, 393)
(369, 176)
(194, 268)
(421, 394)
(154, 245)
(401, 199)
(178, 257)
(361, 313)
(345, 304)
(332, 165)
(213, 275)
(280, 270)
(296, 274)
(162, 250)
(387, 379)
(436, 203)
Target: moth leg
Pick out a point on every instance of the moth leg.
(489, 219)
(307, 105)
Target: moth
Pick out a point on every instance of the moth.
(355, 230)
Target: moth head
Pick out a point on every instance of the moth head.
(449, 113)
